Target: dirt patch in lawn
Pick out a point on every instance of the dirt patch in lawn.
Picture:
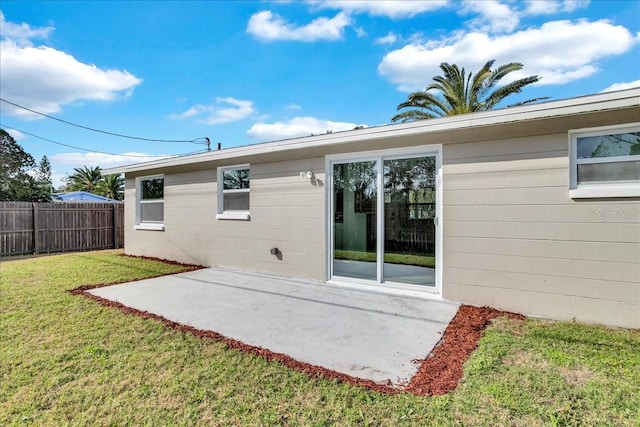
(439, 373)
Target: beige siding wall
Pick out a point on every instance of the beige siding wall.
(287, 212)
(514, 239)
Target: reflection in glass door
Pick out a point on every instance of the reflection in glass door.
(383, 222)
(409, 214)
(355, 236)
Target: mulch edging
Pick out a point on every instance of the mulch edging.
(438, 374)
(441, 371)
(166, 261)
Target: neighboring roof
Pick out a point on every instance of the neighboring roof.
(607, 101)
(82, 196)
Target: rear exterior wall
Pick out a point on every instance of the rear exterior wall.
(512, 236)
(287, 212)
(515, 240)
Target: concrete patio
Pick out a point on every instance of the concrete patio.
(369, 335)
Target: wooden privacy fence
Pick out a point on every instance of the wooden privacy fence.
(32, 228)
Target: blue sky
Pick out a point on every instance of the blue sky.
(247, 72)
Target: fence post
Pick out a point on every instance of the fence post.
(114, 213)
(36, 231)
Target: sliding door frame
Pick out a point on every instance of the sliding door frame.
(379, 156)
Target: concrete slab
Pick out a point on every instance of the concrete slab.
(368, 335)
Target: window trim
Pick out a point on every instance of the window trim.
(240, 215)
(599, 190)
(141, 225)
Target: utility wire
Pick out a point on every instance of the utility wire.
(193, 141)
(100, 152)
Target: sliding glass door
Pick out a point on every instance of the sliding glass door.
(383, 220)
(409, 226)
(355, 208)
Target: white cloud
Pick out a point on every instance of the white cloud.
(78, 160)
(542, 7)
(16, 134)
(22, 33)
(495, 17)
(547, 7)
(393, 9)
(293, 106)
(622, 86)
(390, 38)
(64, 163)
(296, 127)
(543, 51)
(571, 5)
(360, 32)
(57, 179)
(268, 26)
(43, 78)
(225, 110)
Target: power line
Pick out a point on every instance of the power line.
(193, 141)
(100, 152)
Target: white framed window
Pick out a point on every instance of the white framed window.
(234, 184)
(150, 202)
(605, 161)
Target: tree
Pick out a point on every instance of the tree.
(91, 180)
(455, 92)
(15, 182)
(84, 179)
(43, 187)
(111, 186)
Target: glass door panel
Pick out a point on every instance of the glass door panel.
(409, 227)
(355, 200)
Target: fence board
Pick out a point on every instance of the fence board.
(27, 228)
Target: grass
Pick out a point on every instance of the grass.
(66, 360)
(390, 257)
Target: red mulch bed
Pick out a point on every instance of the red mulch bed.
(438, 374)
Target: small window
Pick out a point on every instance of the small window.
(233, 192)
(605, 162)
(150, 208)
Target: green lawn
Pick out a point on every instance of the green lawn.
(390, 257)
(67, 360)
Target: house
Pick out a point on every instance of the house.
(82, 196)
(533, 209)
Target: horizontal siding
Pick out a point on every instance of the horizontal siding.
(514, 239)
(527, 178)
(518, 149)
(507, 196)
(585, 212)
(560, 249)
(286, 211)
(604, 289)
(544, 304)
(561, 267)
(550, 231)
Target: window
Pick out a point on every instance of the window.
(233, 192)
(605, 162)
(150, 208)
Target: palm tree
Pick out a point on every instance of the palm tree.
(84, 179)
(111, 186)
(461, 93)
